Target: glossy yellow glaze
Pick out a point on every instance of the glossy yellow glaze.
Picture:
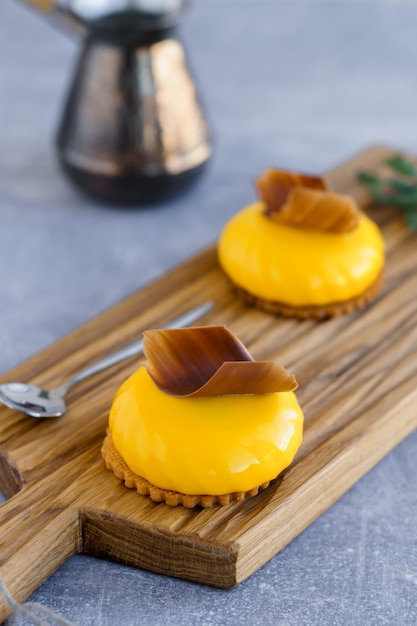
(299, 266)
(210, 446)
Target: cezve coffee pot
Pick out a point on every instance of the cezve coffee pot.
(133, 130)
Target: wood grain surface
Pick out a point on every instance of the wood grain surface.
(358, 388)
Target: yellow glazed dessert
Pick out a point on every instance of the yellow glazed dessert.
(201, 422)
(302, 250)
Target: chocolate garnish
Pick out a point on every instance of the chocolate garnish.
(305, 202)
(275, 186)
(209, 361)
(320, 210)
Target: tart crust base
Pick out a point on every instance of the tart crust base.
(114, 462)
(333, 309)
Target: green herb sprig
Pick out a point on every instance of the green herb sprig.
(401, 192)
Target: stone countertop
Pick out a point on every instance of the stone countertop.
(295, 84)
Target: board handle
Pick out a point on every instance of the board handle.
(35, 541)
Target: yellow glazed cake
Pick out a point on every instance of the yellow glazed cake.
(202, 423)
(302, 250)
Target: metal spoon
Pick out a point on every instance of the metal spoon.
(38, 402)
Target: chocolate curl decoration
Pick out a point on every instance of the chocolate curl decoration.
(305, 202)
(209, 361)
(275, 186)
(320, 210)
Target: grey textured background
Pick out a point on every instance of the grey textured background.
(300, 85)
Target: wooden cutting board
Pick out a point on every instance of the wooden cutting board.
(358, 388)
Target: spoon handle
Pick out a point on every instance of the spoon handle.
(134, 348)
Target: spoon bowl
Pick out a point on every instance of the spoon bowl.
(33, 400)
